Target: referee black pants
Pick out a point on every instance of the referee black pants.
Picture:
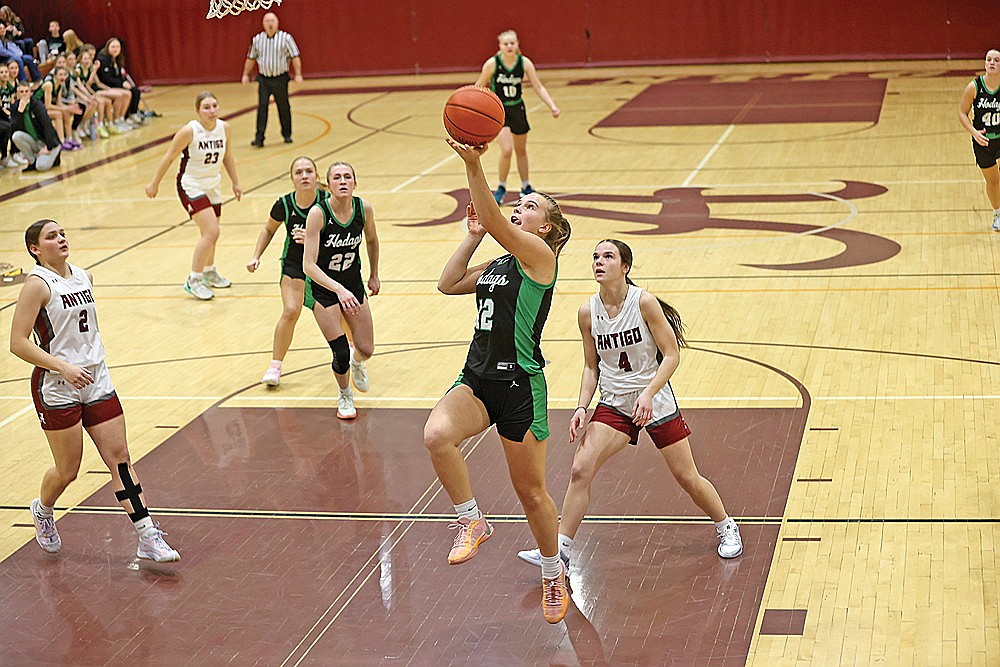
(276, 87)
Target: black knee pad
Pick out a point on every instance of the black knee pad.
(341, 354)
(131, 493)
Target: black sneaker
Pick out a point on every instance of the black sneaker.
(259, 143)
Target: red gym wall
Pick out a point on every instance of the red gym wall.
(170, 41)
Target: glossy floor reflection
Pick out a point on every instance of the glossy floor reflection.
(323, 542)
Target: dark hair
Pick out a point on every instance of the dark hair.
(673, 317)
(119, 60)
(31, 235)
(561, 229)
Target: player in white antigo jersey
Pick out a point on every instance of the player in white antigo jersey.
(631, 347)
(71, 388)
(203, 143)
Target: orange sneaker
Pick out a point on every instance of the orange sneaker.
(470, 535)
(555, 597)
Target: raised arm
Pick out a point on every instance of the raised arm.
(181, 139)
(534, 255)
(456, 276)
(964, 107)
(588, 381)
(532, 74)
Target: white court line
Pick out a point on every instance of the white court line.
(708, 155)
(17, 414)
(432, 168)
(425, 172)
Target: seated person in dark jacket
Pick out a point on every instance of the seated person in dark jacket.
(111, 72)
(32, 130)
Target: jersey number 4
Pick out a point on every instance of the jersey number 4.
(484, 322)
(624, 363)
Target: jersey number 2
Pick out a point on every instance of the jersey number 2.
(84, 327)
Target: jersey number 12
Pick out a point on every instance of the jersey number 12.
(484, 322)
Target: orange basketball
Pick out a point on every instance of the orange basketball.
(473, 115)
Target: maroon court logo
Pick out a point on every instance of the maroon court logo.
(683, 210)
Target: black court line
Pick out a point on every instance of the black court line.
(501, 518)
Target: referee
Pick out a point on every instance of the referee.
(272, 50)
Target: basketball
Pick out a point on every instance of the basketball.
(473, 115)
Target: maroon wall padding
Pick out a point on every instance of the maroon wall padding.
(171, 41)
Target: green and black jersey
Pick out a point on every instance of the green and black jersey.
(506, 83)
(986, 109)
(512, 309)
(287, 211)
(340, 245)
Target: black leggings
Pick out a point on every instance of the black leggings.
(4, 137)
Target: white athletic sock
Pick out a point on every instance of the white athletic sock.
(275, 363)
(346, 391)
(565, 544)
(195, 276)
(468, 510)
(502, 184)
(45, 511)
(144, 525)
(551, 567)
(719, 525)
(209, 268)
(525, 184)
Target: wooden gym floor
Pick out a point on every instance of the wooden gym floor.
(822, 229)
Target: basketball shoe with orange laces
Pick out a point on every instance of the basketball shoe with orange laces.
(470, 535)
(555, 597)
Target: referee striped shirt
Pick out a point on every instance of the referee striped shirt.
(273, 53)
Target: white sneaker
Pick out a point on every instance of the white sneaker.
(359, 374)
(730, 542)
(198, 289)
(20, 159)
(213, 279)
(11, 163)
(996, 221)
(154, 547)
(534, 557)
(272, 377)
(345, 407)
(45, 528)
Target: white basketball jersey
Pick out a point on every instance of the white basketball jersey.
(625, 348)
(66, 327)
(201, 161)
